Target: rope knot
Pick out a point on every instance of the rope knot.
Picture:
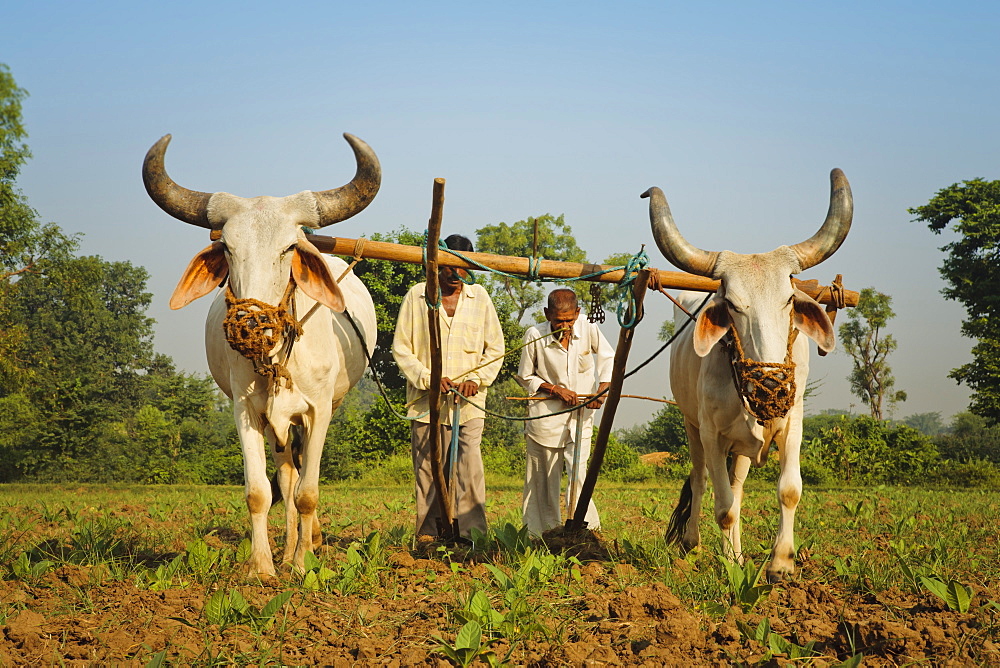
(253, 329)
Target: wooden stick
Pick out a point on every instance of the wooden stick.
(674, 280)
(433, 296)
(587, 397)
(611, 405)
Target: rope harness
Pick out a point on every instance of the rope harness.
(253, 328)
(767, 389)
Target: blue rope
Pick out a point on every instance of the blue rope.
(626, 300)
(627, 311)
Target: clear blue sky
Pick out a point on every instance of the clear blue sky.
(737, 110)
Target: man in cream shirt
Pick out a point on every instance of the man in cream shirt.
(563, 359)
(472, 350)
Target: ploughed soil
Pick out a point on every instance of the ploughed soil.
(609, 614)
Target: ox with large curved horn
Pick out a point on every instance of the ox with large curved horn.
(834, 230)
(285, 340)
(811, 252)
(335, 205)
(739, 374)
(672, 244)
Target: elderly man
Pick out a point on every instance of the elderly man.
(472, 350)
(559, 366)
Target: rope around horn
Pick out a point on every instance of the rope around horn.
(253, 328)
(751, 378)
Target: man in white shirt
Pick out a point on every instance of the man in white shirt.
(562, 361)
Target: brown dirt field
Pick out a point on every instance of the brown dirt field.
(75, 616)
(607, 602)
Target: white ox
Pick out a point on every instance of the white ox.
(283, 396)
(758, 302)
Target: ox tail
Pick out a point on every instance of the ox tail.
(681, 515)
(276, 495)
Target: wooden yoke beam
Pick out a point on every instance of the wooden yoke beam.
(675, 280)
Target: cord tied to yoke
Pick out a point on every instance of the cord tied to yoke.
(767, 389)
(253, 329)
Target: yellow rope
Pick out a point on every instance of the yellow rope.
(359, 249)
(766, 388)
(512, 350)
(253, 328)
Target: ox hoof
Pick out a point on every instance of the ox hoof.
(688, 548)
(262, 571)
(774, 577)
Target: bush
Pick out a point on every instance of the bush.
(973, 473)
(664, 433)
(394, 470)
(621, 461)
(971, 438)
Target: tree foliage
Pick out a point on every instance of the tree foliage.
(970, 438)
(555, 242)
(83, 395)
(971, 270)
(864, 340)
(664, 433)
(24, 242)
(388, 282)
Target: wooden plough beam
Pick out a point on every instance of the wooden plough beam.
(675, 280)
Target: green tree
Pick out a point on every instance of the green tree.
(972, 271)
(970, 438)
(25, 244)
(388, 282)
(664, 433)
(555, 242)
(83, 396)
(91, 346)
(862, 337)
(863, 450)
(929, 424)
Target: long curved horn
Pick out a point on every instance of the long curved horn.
(827, 240)
(674, 247)
(190, 206)
(347, 200)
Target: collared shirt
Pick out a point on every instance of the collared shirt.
(544, 360)
(470, 338)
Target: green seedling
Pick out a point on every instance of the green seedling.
(29, 572)
(163, 577)
(468, 646)
(744, 589)
(955, 595)
(777, 646)
(515, 541)
(229, 608)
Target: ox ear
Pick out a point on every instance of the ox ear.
(204, 273)
(312, 274)
(712, 324)
(812, 320)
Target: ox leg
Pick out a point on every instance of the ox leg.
(699, 483)
(257, 486)
(738, 469)
(789, 492)
(727, 513)
(307, 492)
(288, 477)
